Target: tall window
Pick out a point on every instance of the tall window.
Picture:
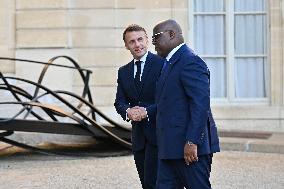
(231, 35)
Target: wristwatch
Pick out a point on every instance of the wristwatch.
(190, 143)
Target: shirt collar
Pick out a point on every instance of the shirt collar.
(143, 58)
(173, 51)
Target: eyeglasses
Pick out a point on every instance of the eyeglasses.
(156, 35)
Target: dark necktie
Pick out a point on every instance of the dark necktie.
(164, 66)
(137, 75)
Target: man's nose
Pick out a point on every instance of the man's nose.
(137, 43)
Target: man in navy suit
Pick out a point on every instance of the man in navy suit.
(186, 132)
(135, 93)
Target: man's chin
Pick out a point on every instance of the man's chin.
(161, 54)
(139, 55)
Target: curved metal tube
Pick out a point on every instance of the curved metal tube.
(34, 99)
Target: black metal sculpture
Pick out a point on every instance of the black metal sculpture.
(82, 122)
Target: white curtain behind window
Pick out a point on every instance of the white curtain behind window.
(250, 43)
(209, 35)
(217, 69)
(209, 39)
(249, 5)
(250, 77)
(208, 5)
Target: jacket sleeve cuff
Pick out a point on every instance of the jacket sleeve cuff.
(151, 112)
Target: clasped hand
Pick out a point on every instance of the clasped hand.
(190, 153)
(136, 113)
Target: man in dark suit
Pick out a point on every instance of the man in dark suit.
(135, 92)
(186, 132)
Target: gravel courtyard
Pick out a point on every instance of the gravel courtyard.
(231, 170)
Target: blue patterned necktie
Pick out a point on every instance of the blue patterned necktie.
(166, 63)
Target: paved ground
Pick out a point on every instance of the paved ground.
(231, 170)
(264, 142)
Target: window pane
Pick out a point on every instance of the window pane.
(209, 6)
(249, 5)
(217, 77)
(209, 35)
(250, 77)
(250, 32)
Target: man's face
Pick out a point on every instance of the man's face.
(160, 40)
(137, 43)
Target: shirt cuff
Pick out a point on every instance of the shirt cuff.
(146, 114)
(126, 115)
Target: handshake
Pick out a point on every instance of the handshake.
(136, 113)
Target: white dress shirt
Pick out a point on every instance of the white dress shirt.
(173, 51)
(143, 60)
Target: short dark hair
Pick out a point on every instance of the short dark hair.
(131, 28)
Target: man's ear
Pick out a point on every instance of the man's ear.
(172, 34)
(126, 46)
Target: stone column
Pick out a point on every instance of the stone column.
(7, 34)
(276, 52)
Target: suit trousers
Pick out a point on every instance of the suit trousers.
(175, 174)
(146, 164)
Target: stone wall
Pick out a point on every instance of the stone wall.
(7, 34)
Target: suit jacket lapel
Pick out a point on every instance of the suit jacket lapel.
(164, 76)
(162, 80)
(130, 78)
(147, 68)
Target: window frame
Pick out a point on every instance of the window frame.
(229, 57)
